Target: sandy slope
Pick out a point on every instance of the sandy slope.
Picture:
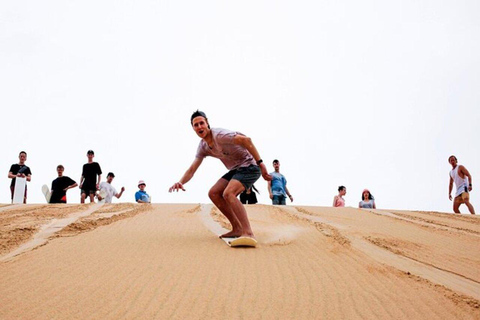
(129, 261)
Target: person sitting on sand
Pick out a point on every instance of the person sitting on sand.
(248, 196)
(338, 200)
(368, 202)
(141, 195)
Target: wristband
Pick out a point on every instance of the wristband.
(470, 184)
(259, 161)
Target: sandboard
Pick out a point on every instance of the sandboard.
(19, 191)
(46, 192)
(103, 194)
(240, 242)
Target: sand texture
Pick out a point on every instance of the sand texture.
(164, 261)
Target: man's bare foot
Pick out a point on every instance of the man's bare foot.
(231, 234)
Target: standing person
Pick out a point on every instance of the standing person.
(240, 156)
(141, 196)
(277, 188)
(338, 200)
(248, 196)
(88, 181)
(463, 181)
(110, 191)
(368, 201)
(20, 170)
(60, 186)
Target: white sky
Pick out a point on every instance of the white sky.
(366, 94)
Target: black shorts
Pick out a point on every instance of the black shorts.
(246, 175)
(88, 190)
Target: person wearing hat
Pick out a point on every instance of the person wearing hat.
(240, 156)
(141, 195)
(368, 201)
(109, 190)
(88, 182)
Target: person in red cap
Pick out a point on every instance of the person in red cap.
(368, 201)
(141, 195)
(240, 156)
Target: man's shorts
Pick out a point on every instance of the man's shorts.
(465, 196)
(246, 175)
(88, 190)
(279, 200)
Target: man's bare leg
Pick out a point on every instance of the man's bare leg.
(230, 194)
(92, 197)
(470, 207)
(82, 198)
(216, 195)
(456, 204)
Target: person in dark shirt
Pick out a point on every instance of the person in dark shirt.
(20, 170)
(60, 186)
(248, 196)
(88, 182)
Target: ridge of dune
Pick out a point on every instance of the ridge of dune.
(165, 261)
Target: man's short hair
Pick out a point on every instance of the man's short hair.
(90, 152)
(60, 167)
(110, 174)
(22, 152)
(451, 157)
(275, 161)
(341, 188)
(199, 113)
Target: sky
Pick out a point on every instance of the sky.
(365, 94)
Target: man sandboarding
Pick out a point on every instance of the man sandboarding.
(239, 155)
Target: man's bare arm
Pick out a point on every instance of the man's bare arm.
(247, 143)
(187, 176)
(450, 187)
(467, 174)
(289, 194)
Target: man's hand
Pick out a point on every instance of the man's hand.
(80, 186)
(123, 189)
(450, 197)
(271, 196)
(291, 198)
(470, 188)
(265, 174)
(176, 187)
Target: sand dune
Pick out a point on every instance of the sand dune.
(164, 261)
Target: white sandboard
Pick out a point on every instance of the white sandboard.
(46, 192)
(240, 242)
(19, 191)
(103, 194)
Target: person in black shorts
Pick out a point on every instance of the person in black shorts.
(60, 186)
(88, 182)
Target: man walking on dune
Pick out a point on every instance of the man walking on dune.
(240, 156)
(463, 181)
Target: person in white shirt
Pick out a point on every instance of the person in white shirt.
(463, 181)
(108, 190)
